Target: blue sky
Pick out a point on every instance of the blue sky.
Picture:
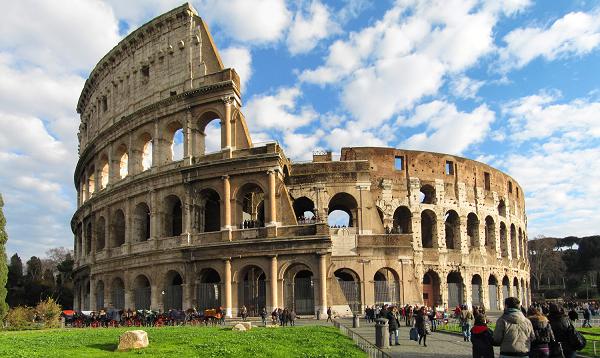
(511, 83)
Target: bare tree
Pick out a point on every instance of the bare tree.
(544, 258)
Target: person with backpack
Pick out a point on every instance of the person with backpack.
(423, 326)
(393, 324)
(482, 339)
(466, 316)
(564, 332)
(540, 346)
(587, 315)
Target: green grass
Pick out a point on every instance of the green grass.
(591, 334)
(313, 341)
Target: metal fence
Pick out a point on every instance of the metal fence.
(368, 347)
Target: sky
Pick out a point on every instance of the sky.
(511, 83)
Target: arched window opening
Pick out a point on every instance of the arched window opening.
(427, 195)
(91, 181)
(99, 296)
(251, 200)
(174, 216)
(513, 241)
(141, 222)
(522, 245)
(503, 240)
(452, 225)
(502, 208)
(88, 238)
(455, 289)
(208, 291)
(342, 211)
(118, 228)
(304, 209)
(173, 295)
(490, 233)
(100, 233)
(493, 293)
(476, 291)
(103, 172)
(209, 134)
(298, 290)
(428, 229)
(473, 229)
(123, 161)
(349, 284)
(253, 289)
(515, 289)
(146, 152)
(209, 211)
(387, 287)
(431, 289)
(117, 289)
(142, 292)
(505, 287)
(176, 138)
(402, 221)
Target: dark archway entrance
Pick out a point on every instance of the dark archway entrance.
(387, 287)
(208, 290)
(253, 291)
(173, 295)
(431, 289)
(349, 283)
(455, 289)
(299, 290)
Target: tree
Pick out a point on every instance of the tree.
(3, 263)
(544, 258)
(15, 271)
(34, 269)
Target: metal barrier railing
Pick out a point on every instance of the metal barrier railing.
(372, 350)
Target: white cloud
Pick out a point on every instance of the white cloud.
(240, 59)
(352, 136)
(300, 146)
(576, 33)
(447, 129)
(308, 29)
(465, 87)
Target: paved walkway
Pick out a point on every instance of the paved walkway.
(438, 344)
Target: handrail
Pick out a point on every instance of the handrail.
(372, 350)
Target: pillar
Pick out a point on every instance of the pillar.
(154, 216)
(227, 287)
(128, 298)
(156, 298)
(226, 207)
(499, 295)
(323, 283)
(188, 138)
(188, 295)
(273, 284)
(187, 207)
(92, 295)
(226, 124)
(272, 218)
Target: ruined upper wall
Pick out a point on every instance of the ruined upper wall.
(168, 55)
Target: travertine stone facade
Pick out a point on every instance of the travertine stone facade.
(244, 225)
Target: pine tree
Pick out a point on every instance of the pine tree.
(3, 263)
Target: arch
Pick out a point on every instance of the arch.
(141, 222)
(346, 203)
(452, 225)
(523, 297)
(427, 194)
(88, 238)
(173, 292)
(145, 143)
(117, 289)
(100, 233)
(142, 292)
(99, 295)
(209, 211)
(91, 182)
(118, 228)
(455, 289)
(431, 289)
(208, 289)
(209, 134)
(503, 240)
(347, 291)
(402, 220)
(252, 289)
(473, 229)
(104, 171)
(250, 201)
(513, 241)
(304, 209)
(522, 245)
(476, 290)
(493, 293)
(386, 287)
(490, 232)
(515, 288)
(299, 289)
(175, 139)
(502, 208)
(428, 229)
(505, 287)
(173, 216)
(123, 156)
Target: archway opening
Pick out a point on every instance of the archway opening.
(513, 242)
(208, 290)
(493, 293)
(304, 209)
(387, 287)
(428, 229)
(88, 238)
(142, 293)
(100, 234)
(146, 149)
(427, 195)
(103, 172)
(209, 137)
(473, 229)
(99, 296)
(141, 222)
(299, 289)
(490, 233)
(515, 289)
(123, 156)
(253, 290)
(476, 291)
(502, 208)
(402, 221)
(209, 212)
(505, 287)
(455, 289)
(118, 228)
(175, 137)
(349, 293)
(452, 225)
(340, 204)
(174, 216)
(252, 199)
(431, 289)
(173, 293)
(117, 289)
(503, 240)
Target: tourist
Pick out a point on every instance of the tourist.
(482, 339)
(466, 316)
(263, 316)
(561, 326)
(244, 313)
(573, 315)
(329, 314)
(543, 334)
(422, 325)
(432, 319)
(393, 324)
(292, 316)
(514, 331)
(587, 315)
(274, 316)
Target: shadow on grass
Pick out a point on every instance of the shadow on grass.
(110, 347)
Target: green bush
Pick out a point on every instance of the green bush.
(20, 317)
(48, 312)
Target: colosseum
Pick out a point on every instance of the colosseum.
(178, 208)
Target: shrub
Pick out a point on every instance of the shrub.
(48, 312)
(20, 317)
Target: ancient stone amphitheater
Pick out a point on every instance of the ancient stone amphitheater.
(165, 222)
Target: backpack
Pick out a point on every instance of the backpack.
(576, 339)
(543, 335)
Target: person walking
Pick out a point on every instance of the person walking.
(513, 332)
(422, 325)
(561, 326)
(540, 346)
(482, 339)
(244, 313)
(466, 317)
(292, 317)
(263, 316)
(587, 315)
(329, 313)
(393, 324)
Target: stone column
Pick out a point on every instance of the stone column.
(188, 295)
(226, 207)
(323, 283)
(485, 299)
(273, 284)
(112, 172)
(499, 295)
(156, 298)
(154, 216)
(92, 295)
(227, 287)
(188, 212)
(272, 212)
(226, 124)
(188, 138)
(129, 303)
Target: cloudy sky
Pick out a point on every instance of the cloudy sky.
(512, 83)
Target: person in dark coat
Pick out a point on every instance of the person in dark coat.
(560, 324)
(540, 346)
(482, 338)
(393, 324)
(422, 325)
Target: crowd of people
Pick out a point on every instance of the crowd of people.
(282, 317)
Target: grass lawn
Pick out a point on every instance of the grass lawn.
(312, 341)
